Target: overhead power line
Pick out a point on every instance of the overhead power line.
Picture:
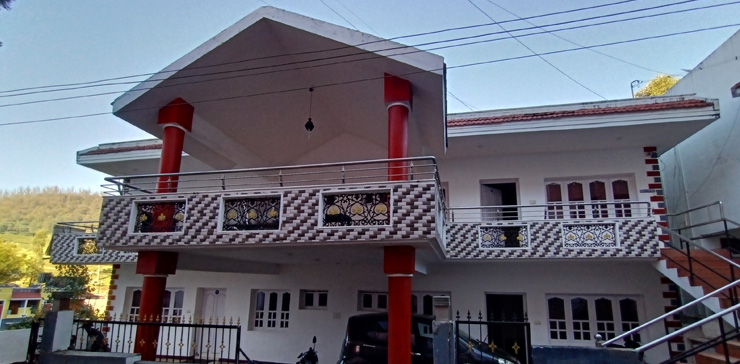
(365, 54)
(368, 43)
(572, 42)
(538, 55)
(473, 64)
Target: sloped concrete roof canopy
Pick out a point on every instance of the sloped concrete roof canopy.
(250, 89)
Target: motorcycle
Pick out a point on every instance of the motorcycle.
(309, 356)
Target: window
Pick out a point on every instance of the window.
(15, 306)
(271, 309)
(578, 318)
(172, 303)
(421, 302)
(314, 299)
(588, 198)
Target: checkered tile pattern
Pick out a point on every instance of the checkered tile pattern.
(638, 239)
(413, 218)
(64, 251)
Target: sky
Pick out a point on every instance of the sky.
(53, 42)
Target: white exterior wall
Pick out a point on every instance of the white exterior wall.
(705, 167)
(467, 282)
(530, 170)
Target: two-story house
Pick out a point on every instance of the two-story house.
(307, 173)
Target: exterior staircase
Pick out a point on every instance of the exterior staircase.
(705, 330)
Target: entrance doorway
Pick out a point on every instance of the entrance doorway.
(499, 194)
(211, 303)
(508, 311)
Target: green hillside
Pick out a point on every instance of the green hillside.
(27, 217)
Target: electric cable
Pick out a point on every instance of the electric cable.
(538, 55)
(372, 42)
(372, 56)
(382, 77)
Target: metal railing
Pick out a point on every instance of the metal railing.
(552, 211)
(480, 341)
(708, 215)
(81, 227)
(727, 290)
(176, 342)
(339, 173)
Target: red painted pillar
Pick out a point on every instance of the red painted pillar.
(176, 118)
(398, 264)
(398, 103)
(155, 266)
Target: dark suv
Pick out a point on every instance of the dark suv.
(366, 342)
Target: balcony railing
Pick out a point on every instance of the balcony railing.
(553, 211)
(340, 173)
(615, 229)
(386, 199)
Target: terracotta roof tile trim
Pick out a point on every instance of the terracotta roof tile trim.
(683, 104)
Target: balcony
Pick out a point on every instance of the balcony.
(348, 203)
(623, 229)
(78, 243)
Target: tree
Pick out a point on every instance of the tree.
(657, 86)
(71, 278)
(5, 4)
(15, 266)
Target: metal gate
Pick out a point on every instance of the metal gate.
(484, 342)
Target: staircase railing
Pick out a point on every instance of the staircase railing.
(722, 339)
(686, 248)
(709, 214)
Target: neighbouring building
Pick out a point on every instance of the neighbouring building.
(705, 168)
(18, 304)
(285, 211)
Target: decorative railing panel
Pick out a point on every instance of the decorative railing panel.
(412, 205)
(159, 217)
(77, 243)
(633, 238)
(251, 213)
(590, 235)
(356, 209)
(503, 236)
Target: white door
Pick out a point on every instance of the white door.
(212, 302)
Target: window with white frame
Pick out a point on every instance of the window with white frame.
(421, 301)
(576, 319)
(271, 309)
(172, 303)
(314, 299)
(595, 197)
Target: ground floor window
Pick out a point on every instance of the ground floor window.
(314, 299)
(271, 309)
(172, 303)
(421, 301)
(578, 318)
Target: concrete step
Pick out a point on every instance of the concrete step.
(733, 347)
(713, 358)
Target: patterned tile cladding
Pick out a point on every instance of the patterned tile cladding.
(637, 240)
(64, 245)
(413, 218)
